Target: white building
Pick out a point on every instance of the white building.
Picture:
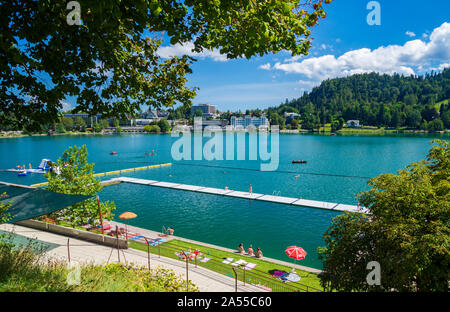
(239, 122)
(353, 124)
(207, 110)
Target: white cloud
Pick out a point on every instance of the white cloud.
(65, 106)
(443, 66)
(410, 34)
(389, 59)
(265, 66)
(186, 49)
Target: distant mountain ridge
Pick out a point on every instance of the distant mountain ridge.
(418, 102)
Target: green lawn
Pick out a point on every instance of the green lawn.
(263, 267)
(438, 105)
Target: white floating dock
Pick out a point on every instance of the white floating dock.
(245, 195)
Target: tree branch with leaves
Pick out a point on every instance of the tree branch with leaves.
(110, 63)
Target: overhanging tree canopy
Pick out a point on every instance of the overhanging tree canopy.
(110, 62)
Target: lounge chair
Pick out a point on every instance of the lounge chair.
(227, 260)
(249, 266)
(239, 262)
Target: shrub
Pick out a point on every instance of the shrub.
(25, 271)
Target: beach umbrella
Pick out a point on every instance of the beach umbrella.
(127, 215)
(295, 252)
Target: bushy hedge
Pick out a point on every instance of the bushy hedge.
(26, 270)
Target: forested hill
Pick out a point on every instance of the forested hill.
(377, 100)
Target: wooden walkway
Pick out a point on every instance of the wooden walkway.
(239, 194)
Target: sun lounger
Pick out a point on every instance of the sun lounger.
(227, 260)
(239, 262)
(205, 259)
(249, 266)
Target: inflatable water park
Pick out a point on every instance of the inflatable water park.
(45, 166)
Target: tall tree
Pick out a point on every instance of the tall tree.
(105, 53)
(77, 177)
(79, 123)
(164, 125)
(407, 231)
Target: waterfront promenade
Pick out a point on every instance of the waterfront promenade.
(87, 252)
(154, 234)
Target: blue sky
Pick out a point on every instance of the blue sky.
(414, 37)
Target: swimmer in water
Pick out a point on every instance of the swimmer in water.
(297, 176)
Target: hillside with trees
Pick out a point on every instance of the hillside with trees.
(415, 102)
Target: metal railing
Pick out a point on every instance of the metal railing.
(254, 277)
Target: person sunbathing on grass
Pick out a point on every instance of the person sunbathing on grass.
(250, 251)
(258, 253)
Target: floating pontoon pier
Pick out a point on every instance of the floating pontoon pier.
(239, 194)
(102, 174)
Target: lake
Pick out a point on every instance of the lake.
(337, 169)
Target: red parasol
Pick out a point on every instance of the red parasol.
(295, 252)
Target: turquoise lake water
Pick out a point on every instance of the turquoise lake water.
(337, 169)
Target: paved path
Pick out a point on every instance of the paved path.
(86, 252)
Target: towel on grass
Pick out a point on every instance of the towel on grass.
(156, 241)
(239, 262)
(205, 259)
(136, 237)
(249, 266)
(227, 260)
(278, 273)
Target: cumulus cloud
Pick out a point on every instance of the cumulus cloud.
(265, 66)
(65, 106)
(386, 59)
(186, 49)
(410, 34)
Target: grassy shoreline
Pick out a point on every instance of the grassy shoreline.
(265, 266)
